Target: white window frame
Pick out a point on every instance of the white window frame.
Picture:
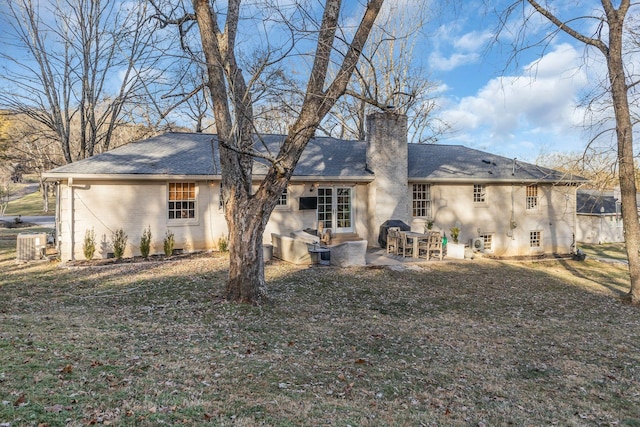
(479, 194)
(283, 199)
(172, 200)
(421, 206)
(532, 199)
(535, 239)
(488, 241)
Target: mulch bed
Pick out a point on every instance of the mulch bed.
(156, 258)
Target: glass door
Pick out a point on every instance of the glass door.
(335, 208)
(325, 207)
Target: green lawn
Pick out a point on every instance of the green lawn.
(446, 343)
(30, 205)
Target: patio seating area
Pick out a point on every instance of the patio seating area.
(301, 247)
(415, 245)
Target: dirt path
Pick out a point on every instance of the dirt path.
(22, 190)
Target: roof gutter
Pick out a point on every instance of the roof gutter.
(164, 177)
(477, 180)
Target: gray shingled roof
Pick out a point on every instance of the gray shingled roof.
(167, 154)
(192, 154)
(595, 202)
(180, 154)
(437, 162)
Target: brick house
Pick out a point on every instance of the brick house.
(172, 182)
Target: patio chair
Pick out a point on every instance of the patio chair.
(392, 240)
(324, 235)
(432, 244)
(405, 245)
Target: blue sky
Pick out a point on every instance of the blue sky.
(525, 110)
(528, 109)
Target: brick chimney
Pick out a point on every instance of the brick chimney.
(387, 158)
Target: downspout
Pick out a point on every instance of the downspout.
(58, 219)
(512, 220)
(71, 221)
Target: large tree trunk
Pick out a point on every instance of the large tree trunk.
(624, 134)
(613, 52)
(247, 216)
(246, 264)
(246, 212)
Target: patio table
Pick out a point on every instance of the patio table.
(415, 241)
(316, 254)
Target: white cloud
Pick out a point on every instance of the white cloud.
(473, 41)
(540, 104)
(462, 50)
(438, 62)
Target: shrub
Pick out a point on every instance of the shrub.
(89, 245)
(455, 232)
(169, 243)
(223, 244)
(119, 241)
(145, 242)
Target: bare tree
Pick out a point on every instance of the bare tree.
(81, 60)
(6, 190)
(232, 91)
(599, 167)
(390, 74)
(605, 31)
(28, 149)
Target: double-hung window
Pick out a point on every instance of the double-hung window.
(488, 241)
(283, 200)
(182, 201)
(479, 194)
(535, 239)
(532, 197)
(422, 200)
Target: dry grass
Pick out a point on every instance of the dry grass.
(608, 250)
(457, 344)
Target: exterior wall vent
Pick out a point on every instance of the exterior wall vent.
(31, 246)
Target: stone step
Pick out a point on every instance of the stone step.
(344, 237)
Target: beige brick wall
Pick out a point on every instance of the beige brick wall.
(387, 153)
(452, 205)
(106, 206)
(133, 206)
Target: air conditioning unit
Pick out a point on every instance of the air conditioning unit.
(31, 246)
(477, 243)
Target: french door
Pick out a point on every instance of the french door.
(335, 208)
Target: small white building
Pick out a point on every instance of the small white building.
(172, 182)
(599, 217)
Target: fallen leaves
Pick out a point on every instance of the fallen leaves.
(57, 408)
(367, 347)
(20, 401)
(67, 369)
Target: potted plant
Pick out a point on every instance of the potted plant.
(455, 233)
(454, 249)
